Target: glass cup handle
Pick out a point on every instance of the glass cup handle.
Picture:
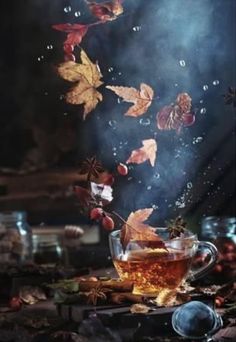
(206, 268)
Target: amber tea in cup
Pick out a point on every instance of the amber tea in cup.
(154, 270)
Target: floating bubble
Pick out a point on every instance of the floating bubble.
(67, 9)
(114, 154)
(176, 84)
(136, 28)
(139, 182)
(49, 47)
(149, 187)
(201, 101)
(157, 175)
(154, 206)
(205, 87)
(112, 124)
(110, 69)
(182, 63)
(119, 73)
(144, 122)
(203, 111)
(216, 82)
(77, 14)
(114, 148)
(197, 140)
(189, 185)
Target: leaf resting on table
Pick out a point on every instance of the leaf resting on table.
(87, 77)
(136, 230)
(141, 99)
(147, 152)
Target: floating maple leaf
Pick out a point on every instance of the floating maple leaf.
(142, 98)
(176, 115)
(87, 76)
(136, 230)
(230, 97)
(107, 10)
(147, 152)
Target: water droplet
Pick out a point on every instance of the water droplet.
(65, 114)
(119, 100)
(157, 175)
(182, 63)
(110, 69)
(39, 59)
(136, 28)
(180, 204)
(205, 87)
(149, 187)
(130, 178)
(189, 185)
(144, 122)
(113, 148)
(197, 140)
(119, 73)
(112, 124)
(77, 14)
(61, 97)
(203, 111)
(67, 9)
(216, 82)
(114, 154)
(201, 101)
(139, 182)
(45, 93)
(49, 47)
(154, 206)
(176, 84)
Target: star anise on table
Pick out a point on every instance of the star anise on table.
(230, 97)
(96, 293)
(92, 167)
(176, 227)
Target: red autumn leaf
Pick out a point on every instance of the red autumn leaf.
(84, 196)
(107, 10)
(136, 230)
(176, 116)
(75, 34)
(147, 152)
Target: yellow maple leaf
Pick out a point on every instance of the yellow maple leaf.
(147, 152)
(142, 98)
(87, 77)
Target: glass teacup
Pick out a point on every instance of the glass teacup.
(154, 270)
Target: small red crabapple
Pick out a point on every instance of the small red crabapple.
(108, 223)
(122, 169)
(69, 57)
(68, 48)
(96, 214)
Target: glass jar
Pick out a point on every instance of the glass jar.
(47, 249)
(15, 238)
(222, 232)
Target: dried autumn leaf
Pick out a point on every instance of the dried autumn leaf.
(75, 32)
(136, 230)
(147, 152)
(107, 10)
(177, 115)
(87, 76)
(142, 98)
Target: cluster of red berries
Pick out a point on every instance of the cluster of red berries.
(98, 214)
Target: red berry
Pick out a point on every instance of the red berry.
(69, 57)
(108, 223)
(68, 48)
(15, 303)
(96, 214)
(218, 268)
(122, 169)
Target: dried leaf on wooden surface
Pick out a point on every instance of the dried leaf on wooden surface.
(141, 99)
(136, 230)
(107, 10)
(147, 152)
(87, 77)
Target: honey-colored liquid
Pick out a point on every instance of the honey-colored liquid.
(152, 272)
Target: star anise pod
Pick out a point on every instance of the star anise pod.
(92, 167)
(176, 227)
(230, 97)
(96, 293)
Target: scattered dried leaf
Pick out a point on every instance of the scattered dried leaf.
(75, 34)
(139, 308)
(142, 98)
(86, 77)
(147, 152)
